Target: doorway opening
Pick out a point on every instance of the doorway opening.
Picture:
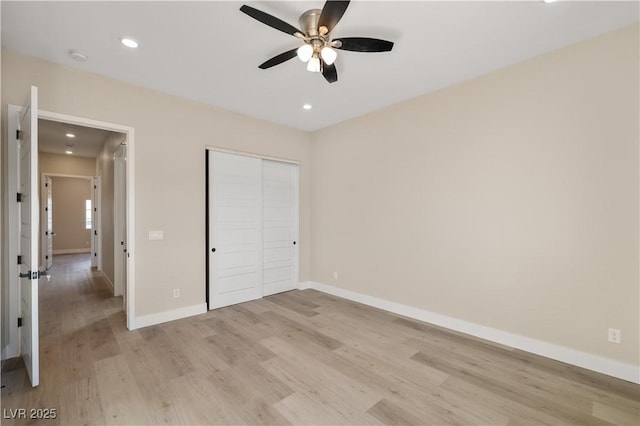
(77, 166)
(17, 134)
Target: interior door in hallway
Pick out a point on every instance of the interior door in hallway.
(235, 217)
(29, 235)
(279, 226)
(48, 222)
(120, 223)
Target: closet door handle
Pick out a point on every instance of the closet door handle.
(294, 243)
(213, 250)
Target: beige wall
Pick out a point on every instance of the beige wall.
(66, 164)
(170, 139)
(105, 171)
(69, 196)
(509, 201)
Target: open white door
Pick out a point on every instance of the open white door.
(96, 229)
(29, 207)
(47, 223)
(120, 222)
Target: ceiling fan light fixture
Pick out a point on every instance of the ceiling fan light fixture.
(314, 64)
(305, 52)
(328, 55)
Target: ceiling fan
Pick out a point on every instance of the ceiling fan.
(318, 50)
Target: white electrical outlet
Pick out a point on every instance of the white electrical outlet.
(176, 292)
(156, 235)
(335, 275)
(615, 335)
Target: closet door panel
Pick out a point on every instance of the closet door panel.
(279, 226)
(235, 222)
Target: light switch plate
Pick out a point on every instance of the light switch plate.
(156, 235)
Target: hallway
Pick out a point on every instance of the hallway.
(78, 316)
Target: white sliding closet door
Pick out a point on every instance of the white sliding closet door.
(253, 228)
(279, 226)
(235, 222)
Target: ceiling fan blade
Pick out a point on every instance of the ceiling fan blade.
(332, 13)
(270, 20)
(364, 44)
(329, 72)
(276, 60)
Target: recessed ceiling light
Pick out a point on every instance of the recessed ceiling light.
(80, 57)
(68, 152)
(129, 42)
(70, 135)
(549, 1)
(307, 106)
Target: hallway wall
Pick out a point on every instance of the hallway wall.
(104, 169)
(69, 197)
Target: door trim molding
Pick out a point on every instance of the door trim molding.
(43, 176)
(10, 273)
(250, 154)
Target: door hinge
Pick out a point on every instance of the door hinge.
(19, 197)
(46, 185)
(95, 209)
(46, 209)
(19, 134)
(46, 233)
(95, 232)
(19, 260)
(25, 274)
(94, 187)
(95, 254)
(19, 322)
(46, 257)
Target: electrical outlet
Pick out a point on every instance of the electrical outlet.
(156, 235)
(335, 275)
(176, 292)
(615, 335)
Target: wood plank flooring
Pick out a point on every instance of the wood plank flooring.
(301, 357)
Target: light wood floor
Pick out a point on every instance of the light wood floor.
(301, 357)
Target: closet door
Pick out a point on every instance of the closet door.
(235, 222)
(279, 226)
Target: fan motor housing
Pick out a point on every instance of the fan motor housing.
(309, 22)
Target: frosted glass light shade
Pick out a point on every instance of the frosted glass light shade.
(305, 52)
(328, 55)
(314, 64)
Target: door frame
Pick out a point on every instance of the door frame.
(96, 259)
(10, 274)
(119, 204)
(96, 222)
(208, 201)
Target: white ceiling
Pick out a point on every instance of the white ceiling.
(210, 51)
(87, 143)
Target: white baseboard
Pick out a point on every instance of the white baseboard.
(592, 362)
(107, 279)
(166, 316)
(9, 351)
(72, 251)
(304, 285)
